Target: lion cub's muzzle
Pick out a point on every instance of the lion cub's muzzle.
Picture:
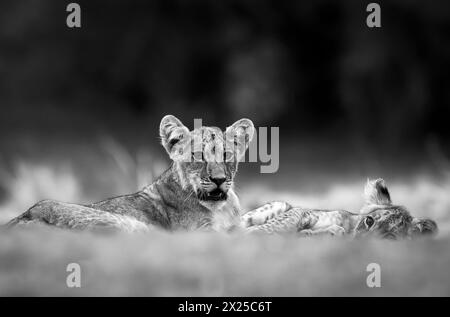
(214, 189)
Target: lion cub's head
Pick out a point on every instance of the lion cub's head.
(385, 220)
(206, 159)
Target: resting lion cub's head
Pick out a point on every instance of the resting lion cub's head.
(206, 159)
(384, 219)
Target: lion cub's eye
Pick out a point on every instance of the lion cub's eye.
(369, 221)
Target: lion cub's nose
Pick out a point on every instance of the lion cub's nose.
(218, 180)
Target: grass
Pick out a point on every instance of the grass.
(194, 264)
(34, 261)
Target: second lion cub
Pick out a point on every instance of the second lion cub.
(379, 217)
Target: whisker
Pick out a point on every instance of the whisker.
(188, 196)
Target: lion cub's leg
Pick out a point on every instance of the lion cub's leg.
(289, 221)
(78, 217)
(262, 214)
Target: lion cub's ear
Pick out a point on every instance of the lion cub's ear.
(173, 136)
(424, 226)
(240, 133)
(376, 193)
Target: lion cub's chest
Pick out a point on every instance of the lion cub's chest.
(327, 218)
(221, 219)
(224, 221)
(201, 218)
(324, 219)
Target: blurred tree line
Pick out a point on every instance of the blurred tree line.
(311, 67)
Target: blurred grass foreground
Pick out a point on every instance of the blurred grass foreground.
(194, 264)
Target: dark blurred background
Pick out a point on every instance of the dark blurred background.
(348, 99)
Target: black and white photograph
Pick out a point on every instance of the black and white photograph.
(224, 149)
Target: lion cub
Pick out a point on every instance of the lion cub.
(195, 192)
(379, 217)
